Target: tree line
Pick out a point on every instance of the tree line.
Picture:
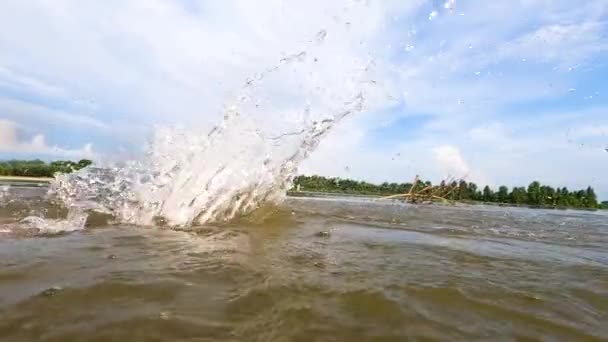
(39, 168)
(535, 194)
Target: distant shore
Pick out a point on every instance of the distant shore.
(330, 194)
(25, 179)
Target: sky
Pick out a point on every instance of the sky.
(496, 92)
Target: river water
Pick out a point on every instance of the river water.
(309, 270)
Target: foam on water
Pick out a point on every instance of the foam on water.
(193, 176)
(76, 220)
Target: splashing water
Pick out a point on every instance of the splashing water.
(193, 176)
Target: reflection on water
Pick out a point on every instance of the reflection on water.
(313, 269)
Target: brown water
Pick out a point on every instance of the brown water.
(312, 270)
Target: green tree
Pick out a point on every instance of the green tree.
(591, 198)
(488, 194)
(519, 195)
(474, 193)
(38, 168)
(534, 194)
(84, 163)
(503, 194)
(547, 195)
(463, 191)
(563, 199)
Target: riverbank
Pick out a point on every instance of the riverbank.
(44, 181)
(25, 179)
(534, 195)
(318, 194)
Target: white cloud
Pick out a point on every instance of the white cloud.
(112, 66)
(589, 131)
(189, 66)
(10, 142)
(490, 133)
(557, 41)
(450, 161)
(22, 82)
(8, 133)
(17, 109)
(469, 68)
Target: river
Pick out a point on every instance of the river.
(312, 269)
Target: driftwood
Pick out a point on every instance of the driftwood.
(429, 193)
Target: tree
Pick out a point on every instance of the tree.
(474, 193)
(488, 194)
(38, 168)
(463, 191)
(563, 199)
(84, 163)
(503, 194)
(519, 195)
(580, 199)
(547, 195)
(591, 198)
(534, 195)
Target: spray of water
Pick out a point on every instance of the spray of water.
(192, 176)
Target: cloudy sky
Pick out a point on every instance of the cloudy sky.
(499, 92)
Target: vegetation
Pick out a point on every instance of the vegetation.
(38, 168)
(536, 194)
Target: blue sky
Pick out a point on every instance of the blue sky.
(500, 92)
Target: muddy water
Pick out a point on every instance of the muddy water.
(312, 270)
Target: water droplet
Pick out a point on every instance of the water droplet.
(449, 5)
(571, 90)
(321, 35)
(574, 67)
(433, 15)
(409, 47)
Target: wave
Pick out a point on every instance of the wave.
(191, 176)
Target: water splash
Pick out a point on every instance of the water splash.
(192, 176)
(76, 220)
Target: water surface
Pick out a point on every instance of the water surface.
(311, 270)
